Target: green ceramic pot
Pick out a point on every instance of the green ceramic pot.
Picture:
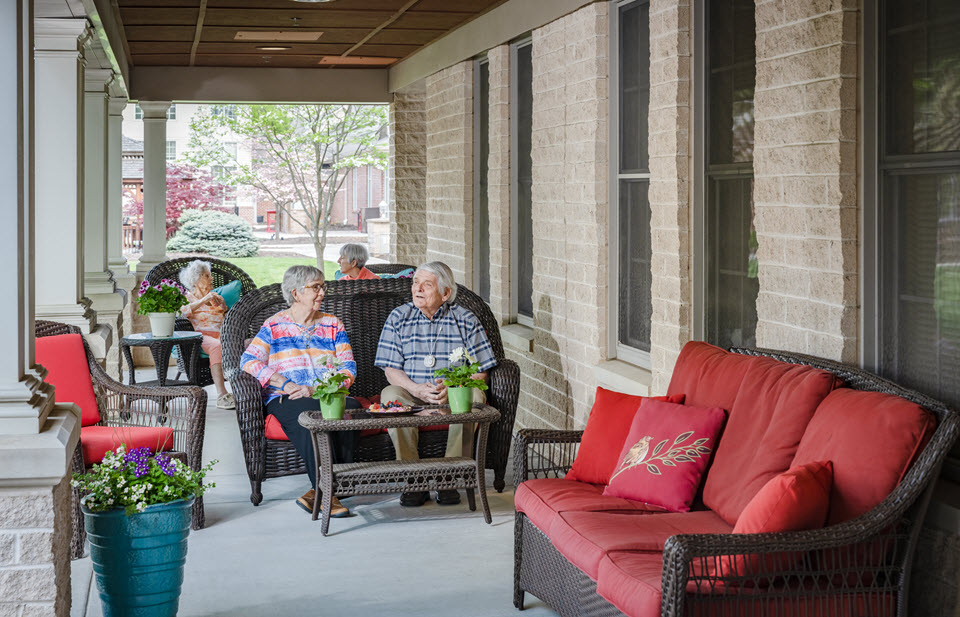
(460, 399)
(332, 407)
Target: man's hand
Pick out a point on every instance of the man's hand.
(434, 393)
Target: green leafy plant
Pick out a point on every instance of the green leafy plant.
(214, 233)
(136, 479)
(167, 297)
(328, 387)
(460, 373)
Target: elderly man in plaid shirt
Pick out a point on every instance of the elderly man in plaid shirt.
(417, 339)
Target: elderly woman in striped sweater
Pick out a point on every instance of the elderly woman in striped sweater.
(289, 352)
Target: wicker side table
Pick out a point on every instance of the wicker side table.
(430, 474)
(160, 348)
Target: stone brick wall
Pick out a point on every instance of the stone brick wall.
(805, 164)
(450, 168)
(35, 551)
(498, 180)
(570, 210)
(669, 148)
(407, 176)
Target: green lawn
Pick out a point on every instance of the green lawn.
(267, 270)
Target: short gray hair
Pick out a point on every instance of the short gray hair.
(192, 272)
(444, 276)
(355, 252)
(296, 277)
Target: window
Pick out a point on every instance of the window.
(137, 112)
(230, 147)
(521, 181)
(730, 260)
(227, 111)
(171, 112)
(171, 150)
(481, 155)
(630, 225)
(918, 215)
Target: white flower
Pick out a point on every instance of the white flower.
(457, 354)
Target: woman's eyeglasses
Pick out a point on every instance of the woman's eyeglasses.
(317, 288)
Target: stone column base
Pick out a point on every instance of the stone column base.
(109, 309)
(98, 283)
(79, 314)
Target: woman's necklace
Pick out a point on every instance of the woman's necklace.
(431, 360)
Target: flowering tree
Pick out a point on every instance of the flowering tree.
(188, 187)
(301, 154)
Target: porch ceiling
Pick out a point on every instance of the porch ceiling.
(355, 33)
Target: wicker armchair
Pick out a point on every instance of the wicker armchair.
(184, 409)
(861, 566)
(222, 272)
(363, 307)
(388, 268)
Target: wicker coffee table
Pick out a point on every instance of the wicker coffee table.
(429, 474)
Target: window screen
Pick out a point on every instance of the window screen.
(481, 205)
(525, 180)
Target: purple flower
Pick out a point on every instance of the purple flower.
(140, 457)
(166, 464)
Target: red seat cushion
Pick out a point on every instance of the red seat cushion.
(708, 375)
(606, 430)
(543, 499)
(872, 439)
(273, 430)
(665, 453)
(775, 403)
(66, 362)
(631, 581)
(98, 440)
(585, 537)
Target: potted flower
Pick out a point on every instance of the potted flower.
(137, 517)
(460, 381)
(330, 391)
(161, 304)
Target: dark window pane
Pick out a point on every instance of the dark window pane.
(732, 76)
(482, 206)
(525, 179)
(732, 283)
(635, 278)
(921, 76)
(920, 283)
(634, 86)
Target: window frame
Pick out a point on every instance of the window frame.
(170, 142)
(478, 165)
(616, 349)
(515, 316)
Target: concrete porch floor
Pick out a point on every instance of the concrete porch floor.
(384, 560)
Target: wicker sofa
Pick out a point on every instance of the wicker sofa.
(222, 272)
(363, 307)
(182, 409)
(584, 553)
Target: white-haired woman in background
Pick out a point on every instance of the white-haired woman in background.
(353, 262)
(205, 311)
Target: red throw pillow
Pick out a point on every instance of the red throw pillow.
(795, 500)
(606, 430)
(665, 453)
(65, 359)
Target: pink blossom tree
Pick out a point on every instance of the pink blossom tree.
(188, 188)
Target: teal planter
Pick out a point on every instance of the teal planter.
(139, 559)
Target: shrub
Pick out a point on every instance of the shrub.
(216, 233)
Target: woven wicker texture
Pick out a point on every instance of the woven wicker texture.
(363, 307)
(863, 562)
(182, 408)
(222, 272)
(392, 476)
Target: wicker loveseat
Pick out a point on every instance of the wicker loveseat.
(222, 272)
(182, 409)
(363, 307)
(585, 553)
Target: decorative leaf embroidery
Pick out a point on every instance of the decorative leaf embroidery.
(637, 455)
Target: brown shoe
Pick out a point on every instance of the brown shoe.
(337, 509)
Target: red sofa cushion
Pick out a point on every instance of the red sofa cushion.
(795, 500)
(585, 537)
(632, 582)
(769, 416)
(665, 453)
(273, 430)
(606, 430)
(96, 441)
(708, 375)
(872, 439)
(66, 362)
(543, 499)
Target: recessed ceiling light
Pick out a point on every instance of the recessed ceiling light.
(280, 36)
(273, 47)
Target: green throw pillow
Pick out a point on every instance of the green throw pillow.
(230, 293)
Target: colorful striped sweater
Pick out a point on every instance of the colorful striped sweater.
(297, 352)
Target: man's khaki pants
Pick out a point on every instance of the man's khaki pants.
(405, 439)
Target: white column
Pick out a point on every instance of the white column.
(37, 438)
(154, 184)
(97, 279)
(59, 194)
(116, 261)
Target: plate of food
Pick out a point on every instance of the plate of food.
(393, 408)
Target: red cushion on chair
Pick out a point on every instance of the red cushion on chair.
(665, 453)
(543, 499)
(273, 430)
(605, 433)
(708, 376)
(98, 440)
(66, 362)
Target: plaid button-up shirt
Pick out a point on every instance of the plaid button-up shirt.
(409, 337)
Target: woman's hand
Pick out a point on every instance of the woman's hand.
(295, 391)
